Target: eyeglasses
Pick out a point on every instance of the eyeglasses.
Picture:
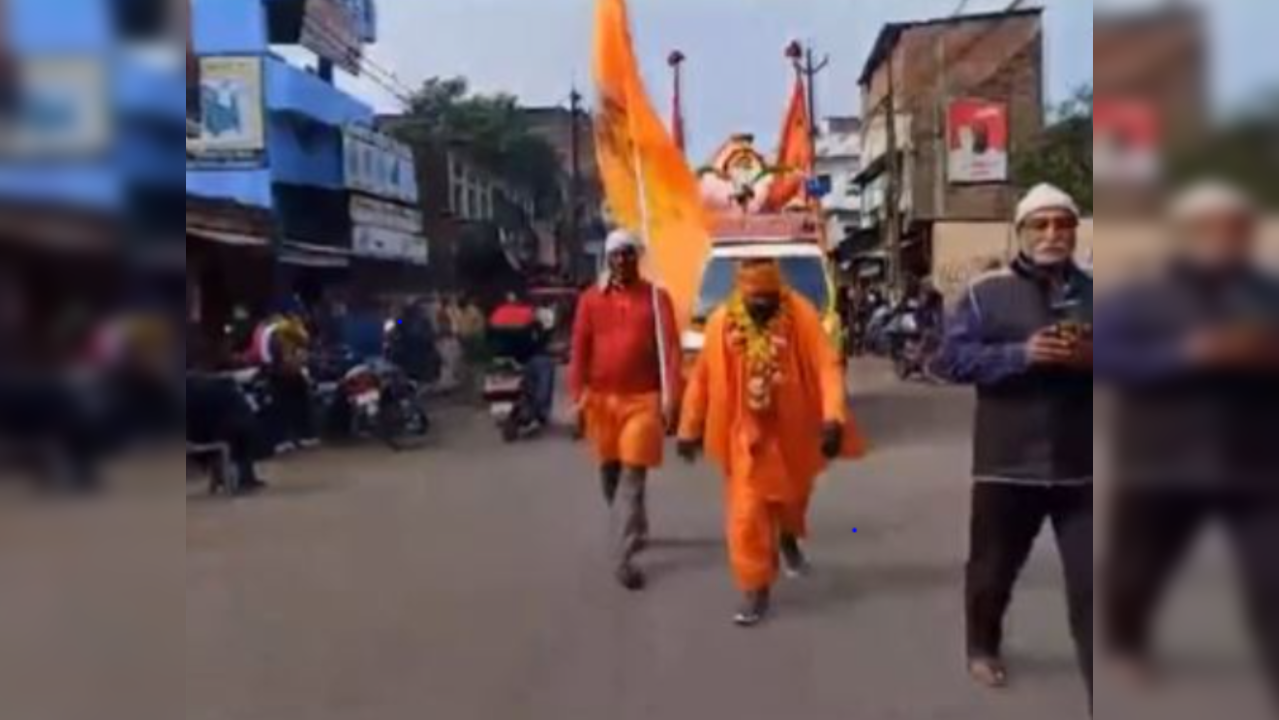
(1052, 224)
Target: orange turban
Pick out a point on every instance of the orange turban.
(759, 277)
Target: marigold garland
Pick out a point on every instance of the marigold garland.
(762, 346)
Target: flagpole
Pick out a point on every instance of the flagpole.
(659, 321)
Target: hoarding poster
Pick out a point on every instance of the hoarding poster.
(232, 117)
(977, 132)
(1126, 141)
(332, 29)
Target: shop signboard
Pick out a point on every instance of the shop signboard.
(378, 165)
(385, 231)
(232, 118)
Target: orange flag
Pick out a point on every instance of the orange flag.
(650, 188)
(794, 155)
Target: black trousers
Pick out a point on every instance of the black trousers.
(1154, 531)
(1006, 520)
(292, 417)
(216, 412)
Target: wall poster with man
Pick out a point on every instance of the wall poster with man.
(977, 141)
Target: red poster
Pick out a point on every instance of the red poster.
(977, 141)
(1125, 141)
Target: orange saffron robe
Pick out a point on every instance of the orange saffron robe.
(770, 460)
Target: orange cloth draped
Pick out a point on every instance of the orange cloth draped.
(651, 189)
(794, 155)
(626, 429)
(770, 461)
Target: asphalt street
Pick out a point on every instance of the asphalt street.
(469, 581)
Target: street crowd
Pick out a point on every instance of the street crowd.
(1191, 353)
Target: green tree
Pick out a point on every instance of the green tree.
(1062, 155)
(1243, 150)
(494, 129)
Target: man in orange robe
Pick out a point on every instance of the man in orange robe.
(616, 379)
(767, 403)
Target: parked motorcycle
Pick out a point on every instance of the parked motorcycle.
(376, 399)
(510, 403)
(907, 346)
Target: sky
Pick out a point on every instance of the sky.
(736, 77)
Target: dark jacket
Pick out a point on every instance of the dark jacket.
(411, 346)
(1033, 424)
(1177, 425)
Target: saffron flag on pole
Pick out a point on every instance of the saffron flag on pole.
(649, 186)
(794, 154)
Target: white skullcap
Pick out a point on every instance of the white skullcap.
(1212, 197)
(1045, 197)
(620, 240)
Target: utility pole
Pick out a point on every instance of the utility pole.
(893, 191)
(678, 130)
(808, 67)
(574, 183)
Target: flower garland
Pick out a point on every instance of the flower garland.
(762, 346)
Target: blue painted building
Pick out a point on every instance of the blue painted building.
(88, 177)
(268, 205)
(302, 115)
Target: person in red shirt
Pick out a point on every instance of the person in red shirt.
(627, 387)
(516, 333)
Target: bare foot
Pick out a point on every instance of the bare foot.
(990, 673)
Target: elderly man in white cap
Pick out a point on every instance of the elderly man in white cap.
(1193, 353)
(626, 351)
(1022, 336)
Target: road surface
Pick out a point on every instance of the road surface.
(468, 581)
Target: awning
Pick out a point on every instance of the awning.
(314, 256)
(228, 238)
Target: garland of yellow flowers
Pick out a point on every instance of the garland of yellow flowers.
(762, 346)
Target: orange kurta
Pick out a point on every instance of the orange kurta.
(616, 372)
(770, 460)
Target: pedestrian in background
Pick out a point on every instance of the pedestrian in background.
(1022, 337)
(616, 380)
(281, 347)
(471, 332)
(1194, 354)
(767, 402)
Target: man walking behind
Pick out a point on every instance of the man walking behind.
(767, 402)
(1194, 355)
(626, 385)
(1022, 336)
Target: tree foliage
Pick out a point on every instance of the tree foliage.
(1243, 150)
(1062, 155)
(495, 131)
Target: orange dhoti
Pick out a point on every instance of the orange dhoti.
(763, 502)
(626, 429)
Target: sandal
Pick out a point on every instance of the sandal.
(753, 610)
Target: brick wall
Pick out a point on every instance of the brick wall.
(994, 58)
(1159, 58)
